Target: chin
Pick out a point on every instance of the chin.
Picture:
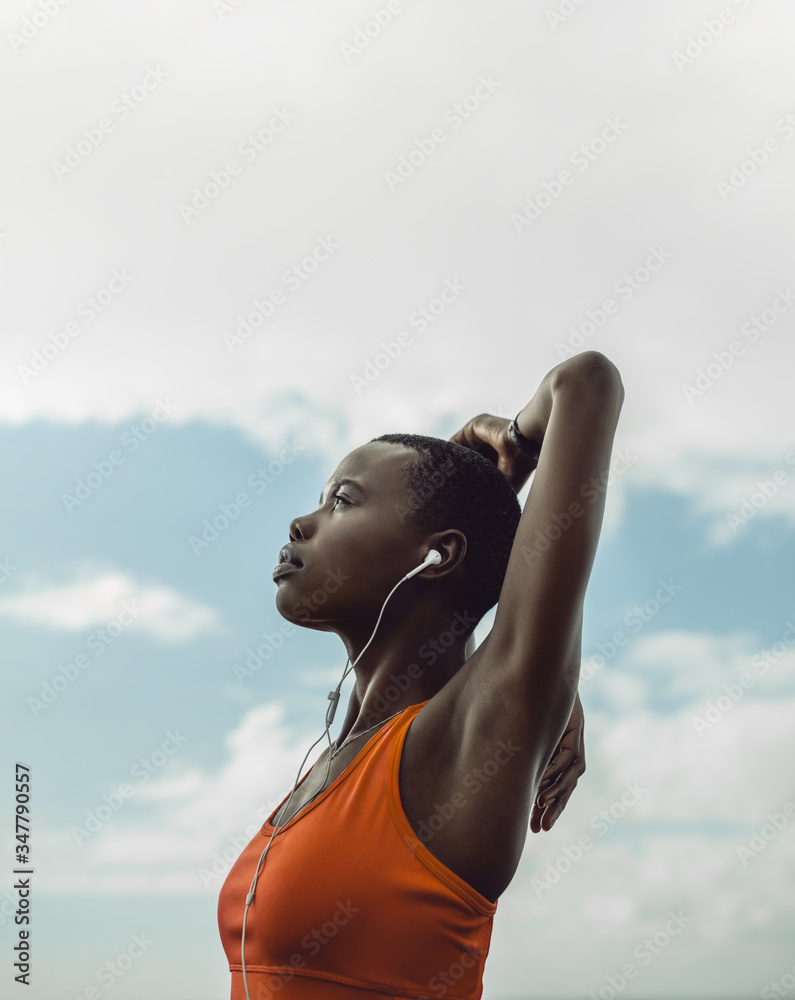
(286, 605)
(294, 609)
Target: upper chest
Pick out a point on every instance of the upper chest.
(476, 831)
(314, 784)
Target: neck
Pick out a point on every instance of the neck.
(390, 680)
(418, 646)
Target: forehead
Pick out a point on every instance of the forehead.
(376, 466)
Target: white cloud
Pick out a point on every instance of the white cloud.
(101, 597)
(171, 826)
(664, 668)
(656, 187)
(694, 782)
(324, 677)
(162, 335)
(675, 848)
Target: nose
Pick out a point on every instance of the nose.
(298, 530)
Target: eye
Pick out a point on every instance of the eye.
(337, 497)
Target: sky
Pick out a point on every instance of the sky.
(225, 235)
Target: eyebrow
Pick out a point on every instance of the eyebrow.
(343, 482)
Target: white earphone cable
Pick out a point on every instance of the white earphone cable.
(333, 697)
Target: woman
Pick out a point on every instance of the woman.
(382, 869)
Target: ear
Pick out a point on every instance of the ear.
(452, 545)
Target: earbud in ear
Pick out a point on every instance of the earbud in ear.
(432, 559)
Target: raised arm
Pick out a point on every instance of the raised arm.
(489, 435)
(533, 647)
(501, 716)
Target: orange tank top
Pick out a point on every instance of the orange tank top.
(350, 904)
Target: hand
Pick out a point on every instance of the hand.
(562, 774)
(488, 435)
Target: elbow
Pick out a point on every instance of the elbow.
(594, 369)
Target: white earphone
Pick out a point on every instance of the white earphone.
(432, 559)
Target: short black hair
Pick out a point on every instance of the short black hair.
(452, 486)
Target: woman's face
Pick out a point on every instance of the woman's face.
(354, 547)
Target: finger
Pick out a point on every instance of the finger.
(544, 817)
(564, 797)
(550, 775)
(475, 443)
(566, 779)
(572, 738)
(553, 812)
(541, 818)
(460, 436)
(555, 808)
(550, 817)
(477, 434)
(541, 809)
(537, 814)
(557, 786)
(571, 743)
(559, 764)
(536, 817)
(564, 758)
(563, 780)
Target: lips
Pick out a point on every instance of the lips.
(287, 554)
(283, 569)
(288, 561)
